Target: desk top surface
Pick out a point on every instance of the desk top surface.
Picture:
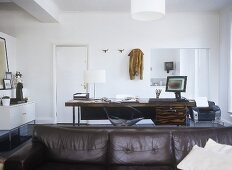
(141, 102)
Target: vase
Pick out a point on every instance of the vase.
(6, 102)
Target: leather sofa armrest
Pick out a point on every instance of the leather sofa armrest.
(28, 157)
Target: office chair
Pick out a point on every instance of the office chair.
(123, 116)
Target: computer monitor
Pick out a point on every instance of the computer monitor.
(176, 84)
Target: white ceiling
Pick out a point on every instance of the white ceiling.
(49, 10)
(124, 5)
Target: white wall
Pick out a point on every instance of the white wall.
(159, 56)
(225, 32)
(111, 31)
(202, 74)
(188, 56)
(197, 71)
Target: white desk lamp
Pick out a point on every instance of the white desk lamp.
(95, 76)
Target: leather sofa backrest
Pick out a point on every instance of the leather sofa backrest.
(73, 145)
(184, 140)
(122, 146)
(140, 148)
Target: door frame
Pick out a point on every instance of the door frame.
(54, 77)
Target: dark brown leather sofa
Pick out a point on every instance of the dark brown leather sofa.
(83, 148)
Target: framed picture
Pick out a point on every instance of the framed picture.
(7, 83)
(8, 75)
(168, 66)
(176, 83)
(3, 61)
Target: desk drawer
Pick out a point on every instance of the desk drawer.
(170, 116)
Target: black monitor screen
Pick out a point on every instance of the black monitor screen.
(176, 83)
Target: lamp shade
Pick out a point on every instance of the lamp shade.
(147, 10)
(95, 76)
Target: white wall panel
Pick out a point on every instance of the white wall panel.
(111, 31)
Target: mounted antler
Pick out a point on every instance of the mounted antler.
(105, 50)
(121, 50)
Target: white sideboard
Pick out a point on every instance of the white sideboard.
(16, 115)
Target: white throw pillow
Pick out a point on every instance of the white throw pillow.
(204, 159)
(217, 147)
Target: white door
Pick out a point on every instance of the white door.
(70, 65)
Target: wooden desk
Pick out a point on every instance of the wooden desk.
(165, 111)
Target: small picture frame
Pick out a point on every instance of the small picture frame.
(8, 75)
(7, 83)
(168, 66)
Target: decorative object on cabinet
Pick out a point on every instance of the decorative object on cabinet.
(19, 91)
(7, 83)
(168, 66)
(157, 93)
(18, 84)
(136, 64)
(6, 101)
(18, 77)
(4, 67)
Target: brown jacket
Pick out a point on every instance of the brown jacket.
(136, 64)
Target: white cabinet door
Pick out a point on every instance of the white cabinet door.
(70, 65)
(28, 113)
(16, 115)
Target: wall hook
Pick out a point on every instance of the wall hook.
(121, 50)
(106, 50)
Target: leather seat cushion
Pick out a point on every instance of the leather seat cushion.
(140, 148)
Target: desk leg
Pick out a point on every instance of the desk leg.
(73, 115)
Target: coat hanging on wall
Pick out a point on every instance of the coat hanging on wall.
(136, 64)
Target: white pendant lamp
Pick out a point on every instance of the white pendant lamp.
(147, 10)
